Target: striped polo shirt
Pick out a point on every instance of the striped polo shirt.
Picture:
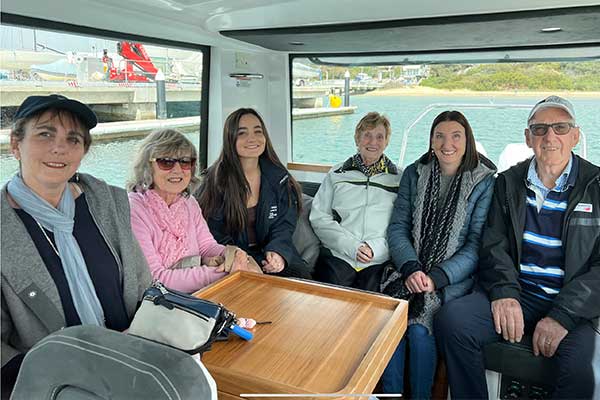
(542, 259)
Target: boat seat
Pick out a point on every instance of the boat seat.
(304, 238)
(512, 154)
(310, 188)
(518, 361)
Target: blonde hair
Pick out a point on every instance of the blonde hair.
(161, 143)
(370, 121)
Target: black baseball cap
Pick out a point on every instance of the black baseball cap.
(33, 104)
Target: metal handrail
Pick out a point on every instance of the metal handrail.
(454, 106)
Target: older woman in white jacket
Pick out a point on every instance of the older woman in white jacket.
(351, 210)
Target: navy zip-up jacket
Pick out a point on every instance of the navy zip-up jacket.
(276, 218)
(502, 239)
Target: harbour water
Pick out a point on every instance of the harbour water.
(329, 140)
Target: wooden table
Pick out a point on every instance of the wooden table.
(322, 339)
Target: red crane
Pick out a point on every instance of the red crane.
(134, 56)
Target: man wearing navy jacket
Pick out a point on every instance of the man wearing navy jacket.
(539, 267)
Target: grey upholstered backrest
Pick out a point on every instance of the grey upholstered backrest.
(89, 362)
(305, 240)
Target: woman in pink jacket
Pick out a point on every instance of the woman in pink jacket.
(167, 221)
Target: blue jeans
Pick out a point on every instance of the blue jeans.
(423, 359)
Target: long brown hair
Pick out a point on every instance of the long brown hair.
(225, 186)
(471, 158)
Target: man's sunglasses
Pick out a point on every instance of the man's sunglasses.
(167, 164)
(560, 128)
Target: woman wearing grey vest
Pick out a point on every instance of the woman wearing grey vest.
(68, 254)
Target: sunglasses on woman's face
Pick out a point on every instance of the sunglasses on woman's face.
(167, 163)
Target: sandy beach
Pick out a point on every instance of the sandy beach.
(427, 91)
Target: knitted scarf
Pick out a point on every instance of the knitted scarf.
(174, 222)
(436, 224)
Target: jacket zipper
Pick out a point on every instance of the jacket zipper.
(509, 213)
(570, 212)
(364, 218)
(366, 207)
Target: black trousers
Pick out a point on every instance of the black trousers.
(465, 325)
(331, 269)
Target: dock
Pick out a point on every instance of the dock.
(122, 130)
(305, 113)
(110, 131)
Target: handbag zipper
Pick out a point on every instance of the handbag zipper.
(163, 301)
(166, 291)
(202, 316)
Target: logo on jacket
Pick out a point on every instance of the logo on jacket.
(584, 207)
(272, 212)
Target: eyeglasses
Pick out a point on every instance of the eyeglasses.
(167, 164)
(560, 128)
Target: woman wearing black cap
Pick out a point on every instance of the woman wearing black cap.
(68, 254)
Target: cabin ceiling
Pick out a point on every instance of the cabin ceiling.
(340, 26)
(567, 27)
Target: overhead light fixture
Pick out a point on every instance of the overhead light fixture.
(550, 30)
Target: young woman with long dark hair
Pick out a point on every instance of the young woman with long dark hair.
(250, 200)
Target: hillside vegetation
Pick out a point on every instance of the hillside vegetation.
(580, 76)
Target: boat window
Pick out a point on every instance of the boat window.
(135, 85)
(495, 98)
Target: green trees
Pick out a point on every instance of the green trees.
(582, 76)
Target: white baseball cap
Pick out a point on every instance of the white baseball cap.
(555, 102)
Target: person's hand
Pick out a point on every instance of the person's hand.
(240, 261)
(222, 268)
(547, 336)
(430, 285)
(418, 282)
(273, 263)
(508, 319)
(364, 253)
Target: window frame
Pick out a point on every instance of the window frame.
(60, 27)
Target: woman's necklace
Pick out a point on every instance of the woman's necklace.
(47, 238)
(254, 182)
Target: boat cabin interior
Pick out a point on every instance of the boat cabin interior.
(249, 48)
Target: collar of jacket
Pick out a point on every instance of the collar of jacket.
(349, 166)
(25, 270)
(272, 173)
(586, 173)
(516, 184)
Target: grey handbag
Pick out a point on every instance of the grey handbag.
(182, 321)
(92, 363)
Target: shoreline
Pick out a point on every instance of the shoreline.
(427, 91)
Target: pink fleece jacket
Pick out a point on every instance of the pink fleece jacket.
(199, 241)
